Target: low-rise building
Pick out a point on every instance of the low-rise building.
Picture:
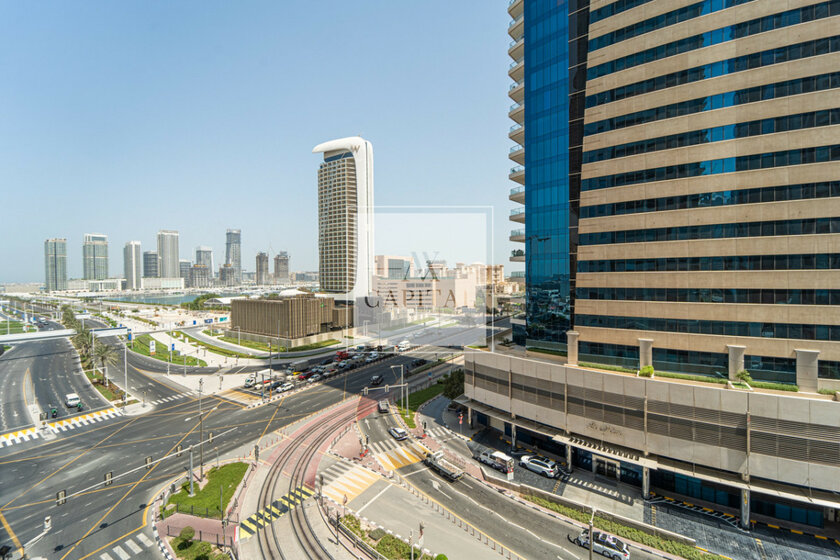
(290, 317)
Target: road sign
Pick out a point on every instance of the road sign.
(149, 462)
(152, 347)
(61, 498)
(207, 321)
(178, 450)
(195, 322)
(222, 319)
(129, 336)
(109, 478)
(173, 346)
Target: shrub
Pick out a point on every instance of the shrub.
(441, 557)
(744, 376)
(646, 371)
(352, 522)
(377, 534)
(187, 534)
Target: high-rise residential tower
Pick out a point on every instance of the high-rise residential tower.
(151, 264)
(261, 276)
(204, 256)
(345, 217)
(281, 267)
(184, 269)
(678, 167)
(167, 245)
(133, 265)
(95, 256)
(55, 264)
(233, 253)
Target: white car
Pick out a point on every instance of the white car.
(314, 378)
(540, 465)
(286, 387)
(606, 545)
(72, 399)
(398, 434)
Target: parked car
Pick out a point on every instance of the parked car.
(314, 378)
(418, 362)
(540, 465)
(398, 433)
(286, 387)
(72, 399)
(497, 460)
(384, 407)
(376, 380)
(250, 381)
(605, 544)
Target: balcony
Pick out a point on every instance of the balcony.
(516, 29)
(517, 112)
(517, 154)
(517, 255)
(517, 174)
(516, 49)
(517, 235)
(515, 8)
(517, 194)
(517, 134)
(517, 91)
(517, 70)
(517, 215)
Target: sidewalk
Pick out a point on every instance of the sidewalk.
(201, 352)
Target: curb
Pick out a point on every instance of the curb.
(162, 545)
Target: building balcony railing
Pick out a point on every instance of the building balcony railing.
(514, 85)
(515, 128)
(517, 169)
(515, 63)
(517, 214)
(517, 235)
(517, 20)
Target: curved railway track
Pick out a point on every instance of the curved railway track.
(308, 444)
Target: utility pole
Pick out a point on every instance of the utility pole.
(125, 368)
(191, 473)
(200, 431)
(591, 533)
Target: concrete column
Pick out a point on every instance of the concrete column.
(569, 457)
(469, 417)
(806, 370)
(736, 360)
(645, 352)
(513, 436)
(572, 350)
(745, 509)
(645, 482)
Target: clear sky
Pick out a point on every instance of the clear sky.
(124, 118)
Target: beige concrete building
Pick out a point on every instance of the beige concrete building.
(678, 164)
(289, 318)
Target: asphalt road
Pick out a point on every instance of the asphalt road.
(87, 524)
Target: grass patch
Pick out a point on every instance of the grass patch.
(774, 386)
(827, 391)
(477, 346)
(14, 327)
(607, 367)
(548, 351)
(111, 392)
(248, 343)
(214, 349)
(210, 332)
(140, 345)
(205, 503)
(631, 533)
(314, 345)
(387, 545)
(195, 550)
(420, 321)
(699, 378)
(417, 398)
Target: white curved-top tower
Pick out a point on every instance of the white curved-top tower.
(345, 217)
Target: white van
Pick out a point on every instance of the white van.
(403, 346)
(72, 399)
(497, 460)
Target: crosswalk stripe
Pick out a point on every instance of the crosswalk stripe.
(306, 491)
(121, 553)
(248, 527)
(105, 556)
(275, 511)
(144, 539)
(281, 506)
(133, 546)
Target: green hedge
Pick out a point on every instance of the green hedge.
(630, 533)
(775, 386)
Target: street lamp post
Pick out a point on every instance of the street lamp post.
(200, 431)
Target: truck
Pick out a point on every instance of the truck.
(438, 462)
(342, 355)
(497, 460)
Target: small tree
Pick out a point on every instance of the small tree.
(187, 534)
(646, 371)
(744, 376)
(106, 355)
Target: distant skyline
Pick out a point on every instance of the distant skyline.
(129, 118)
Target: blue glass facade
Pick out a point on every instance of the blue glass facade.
(554, 83)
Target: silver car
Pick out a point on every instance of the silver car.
(540, 465)
(605, 544)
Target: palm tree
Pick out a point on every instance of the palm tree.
(106, 355)
(84, 340)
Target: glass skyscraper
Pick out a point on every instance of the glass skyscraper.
(55, 264)
(679, 172)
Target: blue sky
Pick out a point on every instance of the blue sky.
(128, 117)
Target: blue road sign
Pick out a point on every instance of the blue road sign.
(173, 346)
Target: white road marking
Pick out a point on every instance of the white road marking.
(121, 553)
(131, 545)
(361, 509)
(144, 539)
